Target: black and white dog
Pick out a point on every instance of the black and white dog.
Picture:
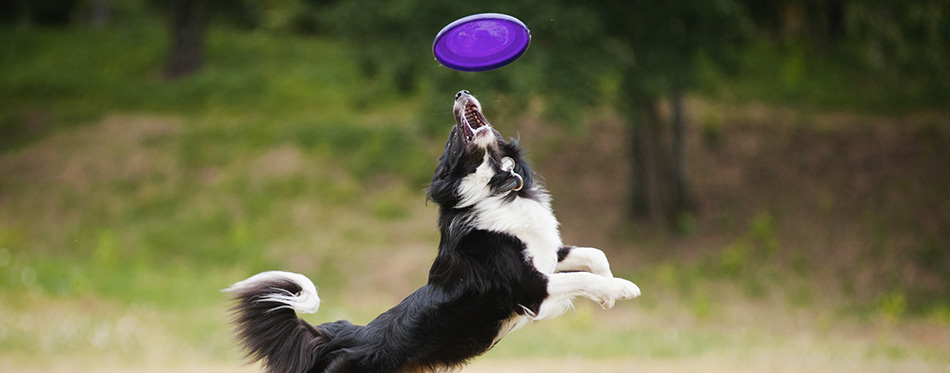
(500, 264)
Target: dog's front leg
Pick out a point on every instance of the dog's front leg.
(564, 287)
(585, 259)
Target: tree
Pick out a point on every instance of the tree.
(665, 40)
(40, 12)
(188, 20)
(650, 46)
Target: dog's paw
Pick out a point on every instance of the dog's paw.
(618, 289)
(596, 261)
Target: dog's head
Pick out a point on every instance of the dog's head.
(477, 162)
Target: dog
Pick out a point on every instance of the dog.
(500, 265)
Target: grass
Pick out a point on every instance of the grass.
(256, 91)
(214, 178)
(255, 95)
(128, 201)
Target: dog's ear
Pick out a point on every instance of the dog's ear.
(446, 159)
(440, 171)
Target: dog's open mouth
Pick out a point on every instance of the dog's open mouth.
(469, 117)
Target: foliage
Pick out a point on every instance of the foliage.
(903, 41)
(565, 64)
(44, 12)
(196, 206)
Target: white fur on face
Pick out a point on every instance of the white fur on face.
(484, 137)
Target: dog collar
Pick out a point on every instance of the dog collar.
(514, 182)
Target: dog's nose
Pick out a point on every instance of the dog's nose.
(460, 93)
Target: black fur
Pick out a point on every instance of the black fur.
(478, 280)
(562, 253)
(273, 334)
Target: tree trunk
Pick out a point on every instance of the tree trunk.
(646, 200)
(189, 19)
(683, 199)
(101, 13)
(638, 205)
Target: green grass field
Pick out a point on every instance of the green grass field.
(128, 201)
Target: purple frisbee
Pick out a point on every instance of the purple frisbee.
(481, 42)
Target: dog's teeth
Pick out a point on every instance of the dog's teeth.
(473, 119)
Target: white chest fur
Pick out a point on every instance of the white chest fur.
(533, 222)
(530, 220)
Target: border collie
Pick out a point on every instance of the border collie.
(500, 264)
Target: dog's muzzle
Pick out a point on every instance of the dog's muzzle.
(468, 116)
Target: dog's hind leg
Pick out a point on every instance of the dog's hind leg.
(564, 287)
(583, 259)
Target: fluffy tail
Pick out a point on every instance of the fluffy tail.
(265, 320)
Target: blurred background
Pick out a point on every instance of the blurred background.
(774, 175)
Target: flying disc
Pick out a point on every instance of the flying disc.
(481, 42)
